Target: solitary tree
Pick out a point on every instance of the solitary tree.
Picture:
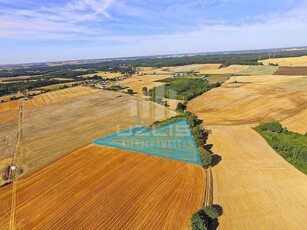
(181, 106)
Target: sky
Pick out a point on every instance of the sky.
(56, 30)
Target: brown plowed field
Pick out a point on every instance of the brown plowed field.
(292, 71)
(98, 187)
(255, 186)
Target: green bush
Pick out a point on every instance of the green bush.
(290, 145)
(271, 126)
(198, 222)
(211, 212)
(182, 88)
(205, 157)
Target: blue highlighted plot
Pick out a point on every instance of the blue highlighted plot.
(172, 141)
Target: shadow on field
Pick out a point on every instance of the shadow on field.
(214, 224)
(219, 209)
(216, 159)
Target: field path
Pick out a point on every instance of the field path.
(14, 159)
(255, 186)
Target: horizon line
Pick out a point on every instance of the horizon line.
(158, 55)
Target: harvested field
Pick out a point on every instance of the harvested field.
(104, 188)
(8, 137)
(254, 100)
(12, 105)
(185, 68)
(298, 83)
(227, 70)
(255, 186)
(58, 96)
(292, 71)
(17, 78)
(73, 118)
(8, 128)
(297, 122)
(103, 74)
(138, 82)
(58, 86)
(290, 61)
(7, 98)
(155, 71)
(259, 70)
(250, 182)
(52, 131)
(218, 78)
(208, 67)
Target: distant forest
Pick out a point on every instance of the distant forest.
(121, 65)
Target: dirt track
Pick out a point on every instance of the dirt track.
(106, 188)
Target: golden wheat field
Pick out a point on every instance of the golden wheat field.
(290, 61)
(98, 187)
(255, 186)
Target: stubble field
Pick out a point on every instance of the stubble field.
(251, 101)
(290, 61)
(98, 187)
(255, 186)
(58, 122)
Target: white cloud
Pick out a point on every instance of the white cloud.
(73, 22)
